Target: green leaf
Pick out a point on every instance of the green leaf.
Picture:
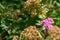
(2, 6)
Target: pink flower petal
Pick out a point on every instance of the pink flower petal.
(47, 22)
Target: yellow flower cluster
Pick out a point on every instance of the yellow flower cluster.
(31, 2)
(43, 13)
(32, 6)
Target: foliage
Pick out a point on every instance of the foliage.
(16, 15)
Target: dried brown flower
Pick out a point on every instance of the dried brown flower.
(54, 33)
(31, 33)
(0, 37)
(15, 37)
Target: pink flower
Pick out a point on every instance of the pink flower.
(47, 22)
